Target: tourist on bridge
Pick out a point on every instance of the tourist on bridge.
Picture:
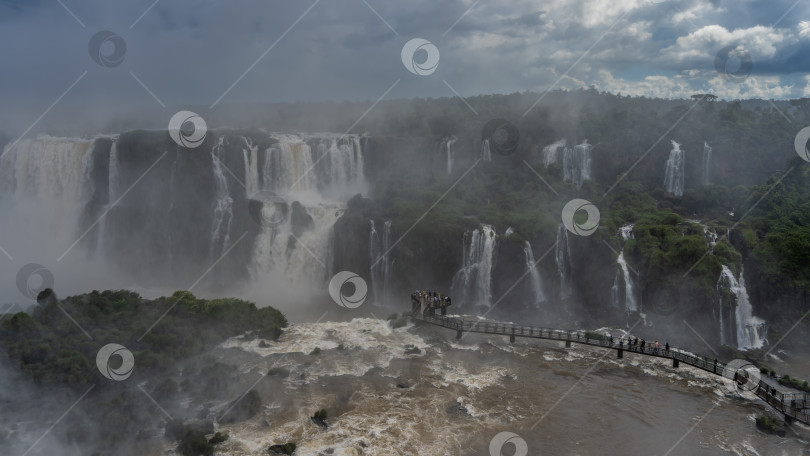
(656, 346)
(666, 347)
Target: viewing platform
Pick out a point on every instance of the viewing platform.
(794, 406)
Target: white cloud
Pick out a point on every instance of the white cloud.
(759, 41)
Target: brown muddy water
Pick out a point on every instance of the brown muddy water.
(453, 398)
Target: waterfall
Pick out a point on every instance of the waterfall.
(630, 304)
(537, 295)
(472, 283)
(750, 330)
(381, 263)
(551, 153)
(114, 174)
(486, 153)
(447, 145)
(321, 174)
(674, 174)
(288, 165)
(223, 205)
(577, 164)
(45, 183)
(251, 161)
(562, 255)
(184, 211)
(623, 285)
(707, 159)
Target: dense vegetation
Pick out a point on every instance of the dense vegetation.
(172, 365)
(52, 349)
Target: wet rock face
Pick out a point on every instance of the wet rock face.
(301, 221)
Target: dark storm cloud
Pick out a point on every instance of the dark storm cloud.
(193, 51)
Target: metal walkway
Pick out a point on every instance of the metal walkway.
(794, 406)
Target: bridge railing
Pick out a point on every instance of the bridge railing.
(791, 404)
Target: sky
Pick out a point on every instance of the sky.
(213, 52)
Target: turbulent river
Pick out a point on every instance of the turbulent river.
(453, 397)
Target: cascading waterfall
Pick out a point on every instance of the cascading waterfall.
(551, 153)
(707, 159)
(577, 164)
(750, 330)
(223, 208)
(623, 285)
(472, 284)
(562, 256)
(447, 145)
(538, 296)
(380, 259)
(251, 160)
(45, 183)
(291, 170)
(674, 173)
(486, 153)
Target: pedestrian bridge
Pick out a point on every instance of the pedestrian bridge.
(794, 406)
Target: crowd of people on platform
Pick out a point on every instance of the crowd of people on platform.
(634, 344)
(429, 298)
